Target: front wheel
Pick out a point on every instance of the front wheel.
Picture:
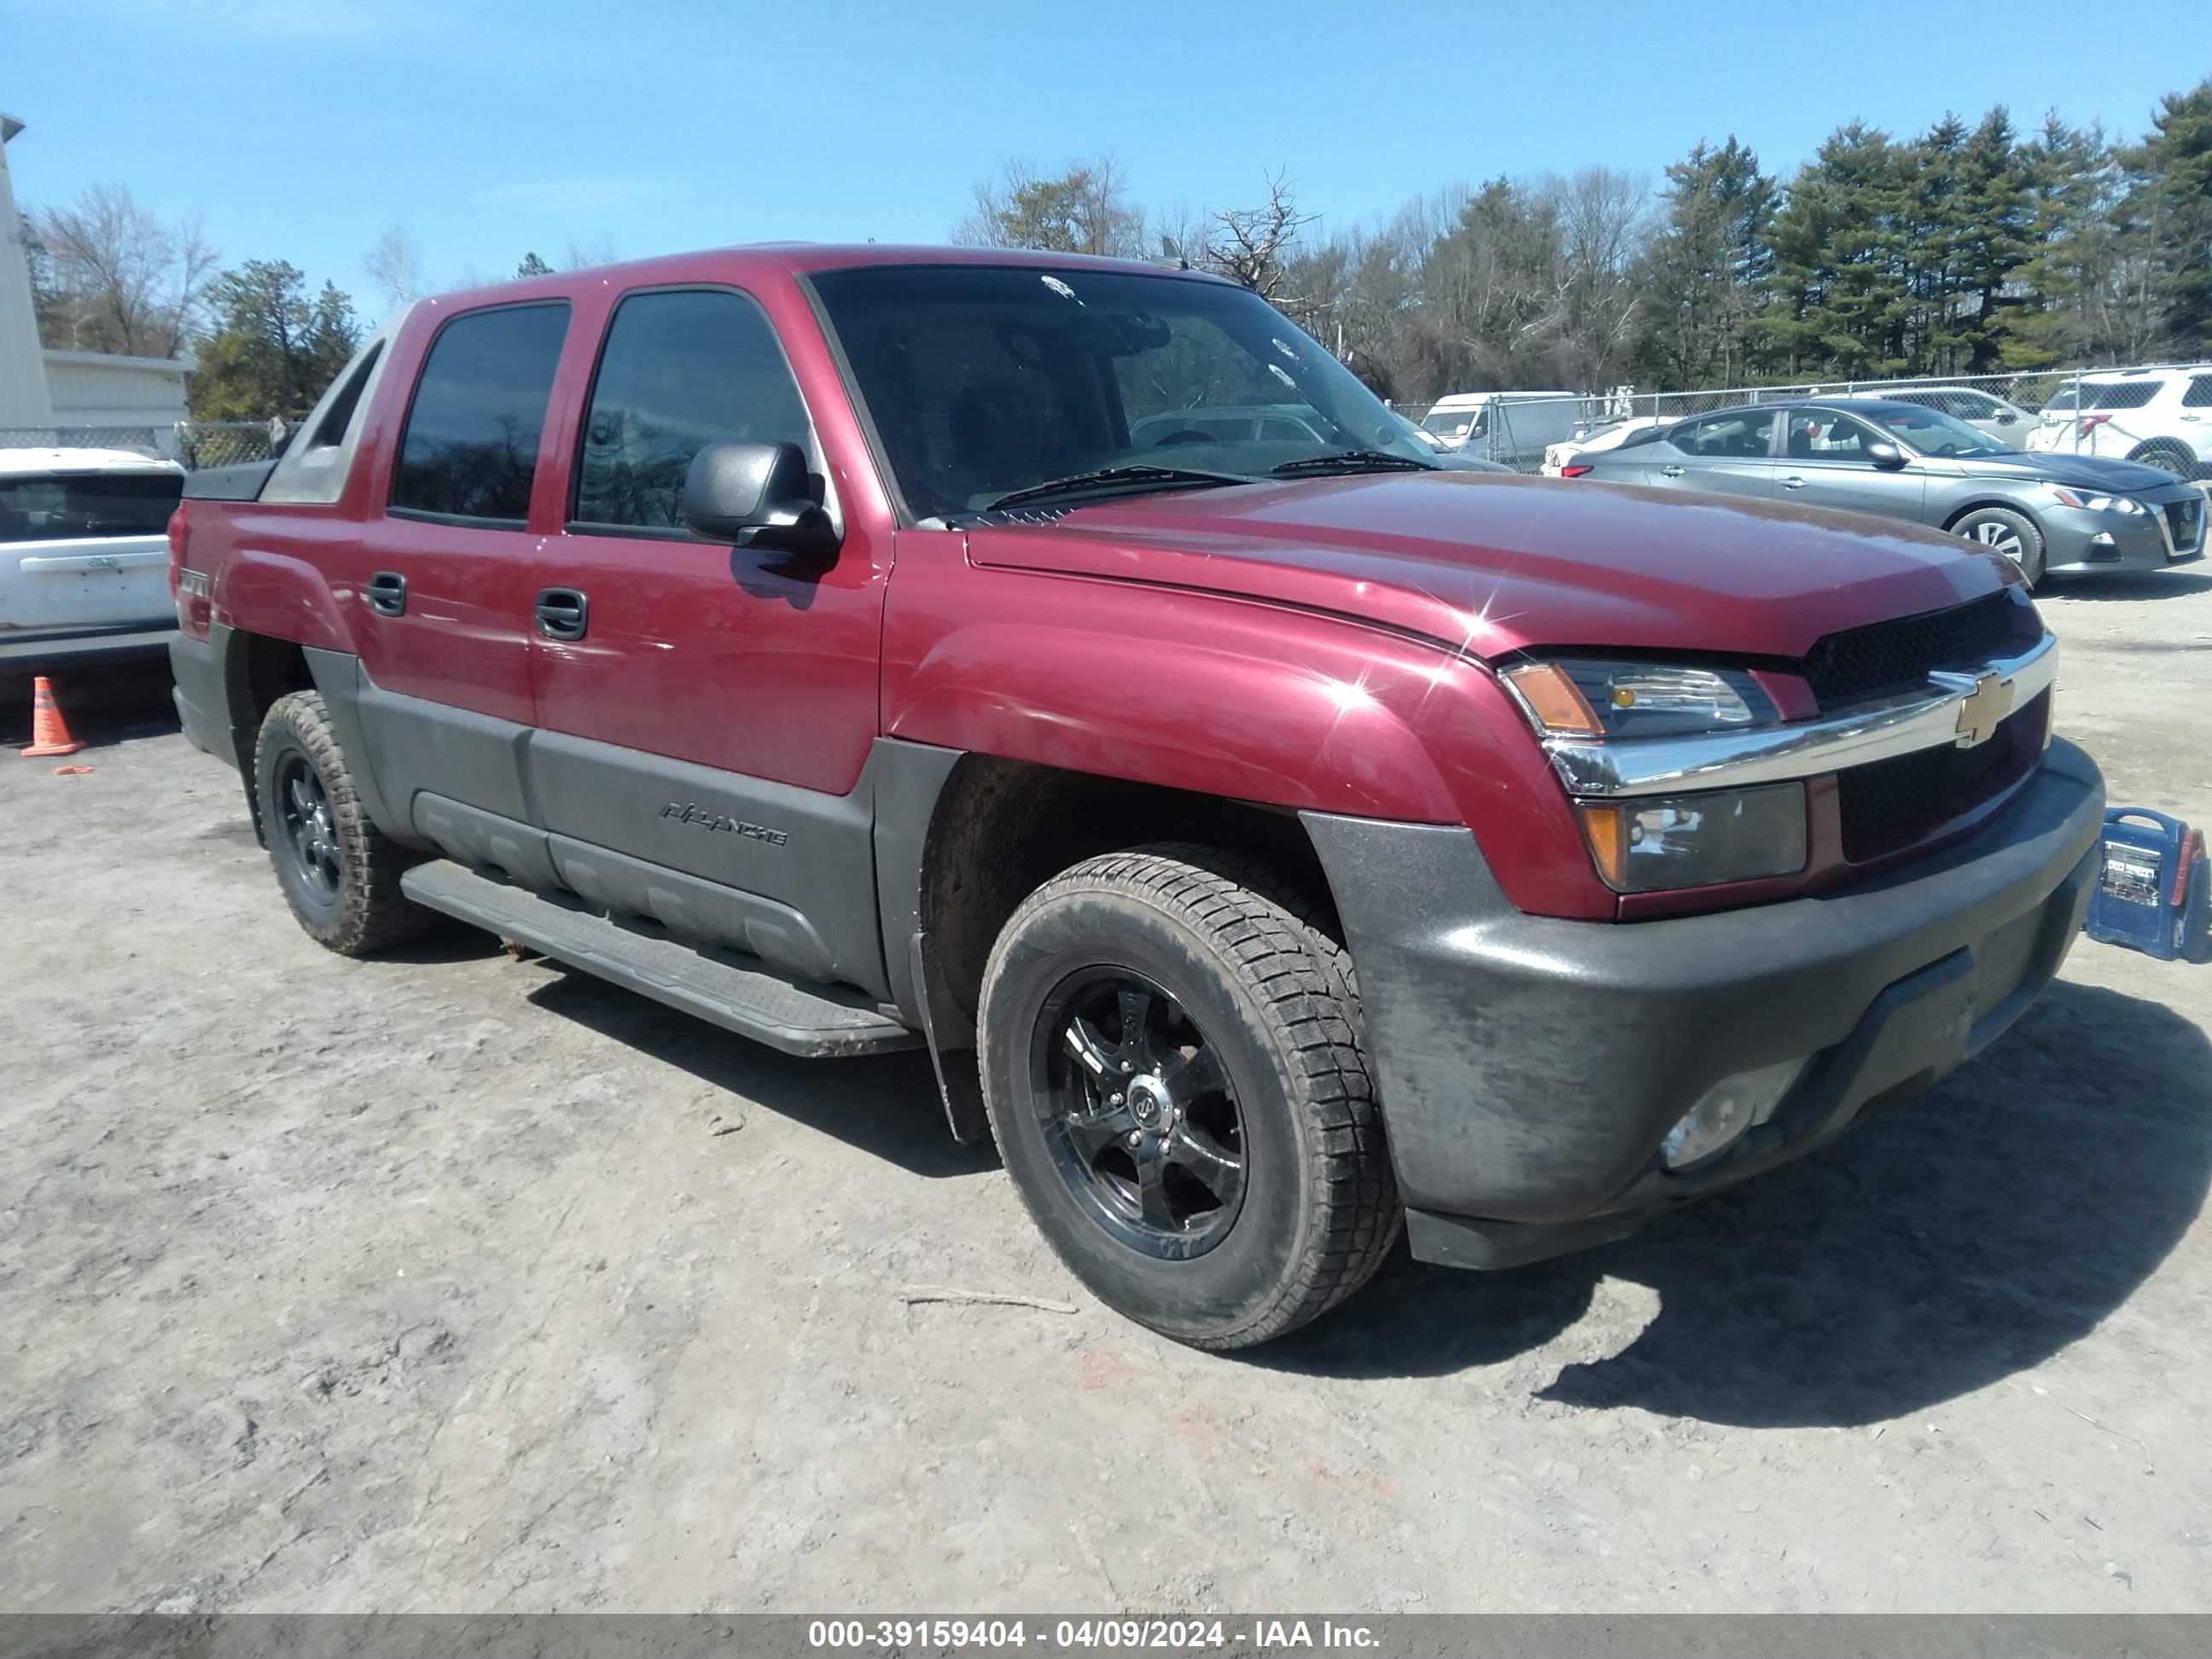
(2013, 534)
(340, 873)
(1172, 1064)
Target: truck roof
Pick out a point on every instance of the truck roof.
(757, 259)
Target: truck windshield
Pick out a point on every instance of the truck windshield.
(52, 509)
(981, 380)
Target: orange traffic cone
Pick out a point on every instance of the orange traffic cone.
(49, 733)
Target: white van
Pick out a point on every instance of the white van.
(1511, 427)
(84, 557)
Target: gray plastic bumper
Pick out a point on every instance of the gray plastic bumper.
(1529, 1068)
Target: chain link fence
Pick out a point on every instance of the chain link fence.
(2159, 414)
(193, 444)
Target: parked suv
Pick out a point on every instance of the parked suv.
(1274, 841)
(82, 560)
(2161, 417)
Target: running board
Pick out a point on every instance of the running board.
(754, 1002)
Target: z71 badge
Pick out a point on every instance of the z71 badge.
(699, 815)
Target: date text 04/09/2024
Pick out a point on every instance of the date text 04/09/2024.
(1253, 1636)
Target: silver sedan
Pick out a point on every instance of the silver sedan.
(2051, 514)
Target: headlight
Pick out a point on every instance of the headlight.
(1588, 698)
(1651, 844)
(2096, 503)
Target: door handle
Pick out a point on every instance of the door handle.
(387, 593)
(1670, 471)
(563, 613)
(1793, 481)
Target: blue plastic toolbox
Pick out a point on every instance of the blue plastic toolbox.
(2153, 892)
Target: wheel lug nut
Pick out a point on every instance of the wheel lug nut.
(1115, 1100)
(1136, 1139)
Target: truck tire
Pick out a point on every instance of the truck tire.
(1172, 1063)
(2000, 530)
(340, 873)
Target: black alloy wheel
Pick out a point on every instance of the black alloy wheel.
(1140, 1113)
(307, 829)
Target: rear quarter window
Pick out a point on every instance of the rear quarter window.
(471, 446)
(49, 509)
(2199, 395)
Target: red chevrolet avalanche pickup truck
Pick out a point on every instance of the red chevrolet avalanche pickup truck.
(1275, 838)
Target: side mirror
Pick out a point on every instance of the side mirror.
(1887, 457)
(755, 495)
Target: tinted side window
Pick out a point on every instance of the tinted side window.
(1819, 435)
(2199, 395)
(2127, 394)
(1736, 432)
(471, 448)
(680, 371)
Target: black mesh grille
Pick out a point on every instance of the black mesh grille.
(1891, 804)
(1885, 659)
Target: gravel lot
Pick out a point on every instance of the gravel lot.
(449, 1282)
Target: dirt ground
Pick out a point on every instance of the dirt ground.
(449, 1282)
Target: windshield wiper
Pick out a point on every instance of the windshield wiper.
(1142, 477)
(1352, 461)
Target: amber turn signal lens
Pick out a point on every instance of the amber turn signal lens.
(1555, 701)
(1607, 828)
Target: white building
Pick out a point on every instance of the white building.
(40, 388)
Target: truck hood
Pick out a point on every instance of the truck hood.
(1491, 564)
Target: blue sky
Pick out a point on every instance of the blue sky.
(302, 129)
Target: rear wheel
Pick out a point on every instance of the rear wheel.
(1172, 1064)
(340, 873)
(2013, 534)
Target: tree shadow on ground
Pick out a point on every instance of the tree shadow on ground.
(1967, 1235)
(885, 1105)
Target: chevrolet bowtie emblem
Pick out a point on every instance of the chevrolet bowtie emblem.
(1983, 710)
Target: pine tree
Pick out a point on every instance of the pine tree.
(1925, 337)
(1995, 215)
(1700, 276)
(531, 265)
(275, 349)
(2071, 186)
(2170, 208)
(1838, 291)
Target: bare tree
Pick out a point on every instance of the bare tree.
(1251, 244)
(392, 266)
(117, 278)
(582, 256)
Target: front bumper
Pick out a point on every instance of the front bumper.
(2080, 542)
(1529, 1068)
(44, 652)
